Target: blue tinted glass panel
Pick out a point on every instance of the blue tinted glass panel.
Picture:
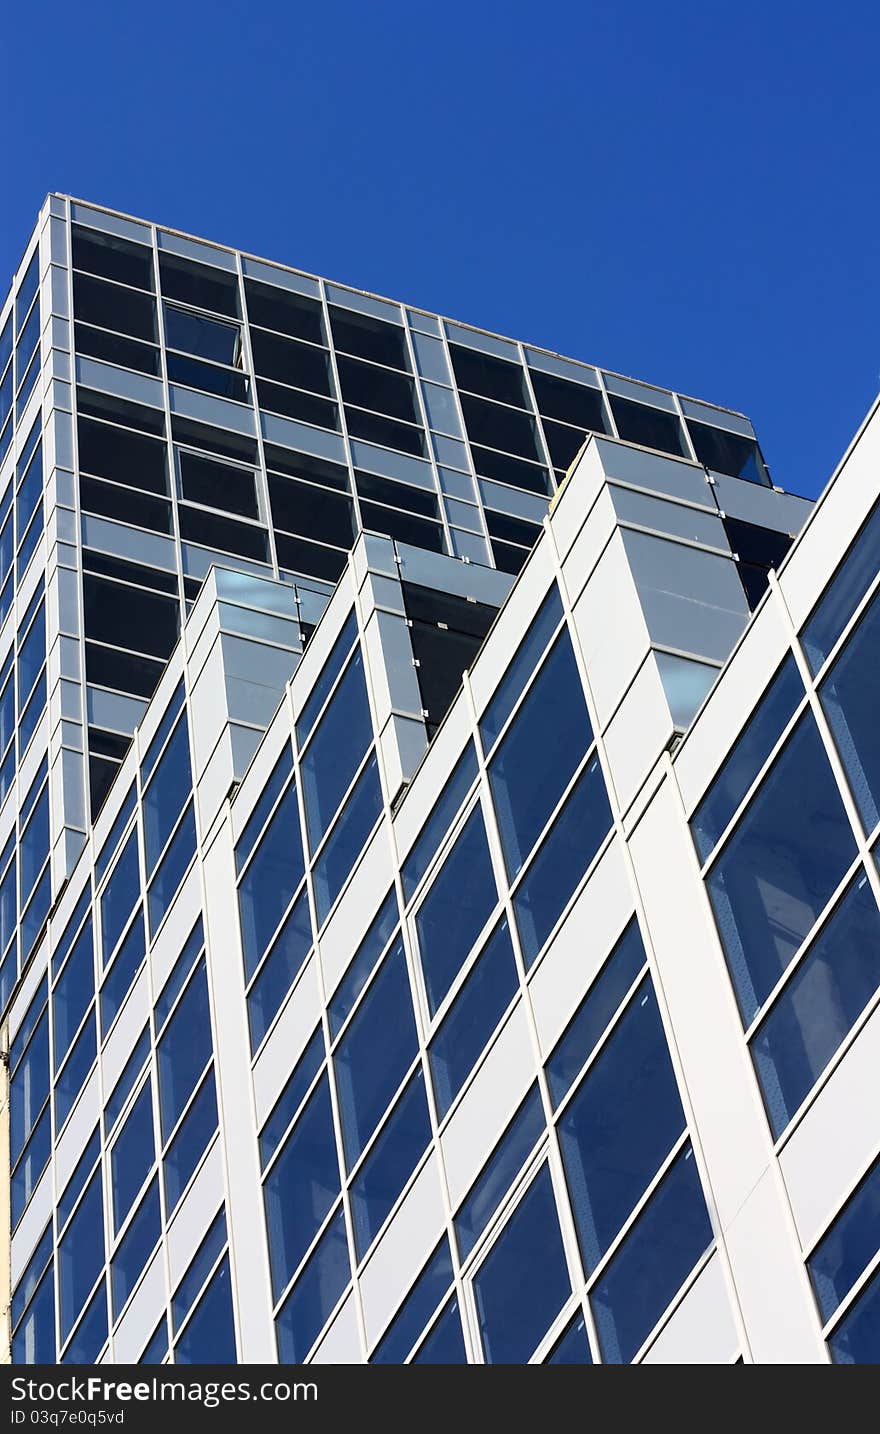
(72, 1078)
(536, 760)
(137, 1245)
(292, 1096)
(29, 1025)
(857, 1338)
(445, 1343)
(270, 881)
(184, 1050)
(843, 594)
(280, 969)
(521, 668)
(819, 1005)
(157, 1348)
(34, 918)
(456, 908)
(390, 1163)
(31, 1165)
(747, 757)
(620, 1125)
(440, 820)
(506, 1161)
(34, 1339)
(160, 738)
(128, 962)
(198, 1270)
(593, 1015)
(75, 1184)
(347, 839)
(81, 1254)
(31, 656)
(209, 1338)
(32, 1273)
(336, 750)
(314, 1296)
(301, 1187)
(32, 714)
(522, 1285)
(91, 1335)
(361, 967)
(573, 1347)
(269, 795)
(562, 860)
(181, 969)
(368, 1072)
(34, 845)
(329, 673)
(120, 894)
(851, 698)
(652, 1263)
(190, 1142)
(125, 1084)
(26, 291)
(417, 1308)
(29, 1086)
(849, 1247)
(472, 1018)
(112, 842)
(73, 992)
(132, 1155)
(780, 866)
(166, 883)
(164, 798)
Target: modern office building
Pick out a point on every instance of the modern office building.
(438, 902)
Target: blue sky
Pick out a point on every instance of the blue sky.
(685, 192)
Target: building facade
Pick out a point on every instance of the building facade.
(414, 948)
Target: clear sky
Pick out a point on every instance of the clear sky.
(682, 191)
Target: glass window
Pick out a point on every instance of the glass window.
(427, 1292)
(573, 1347)
(522, 1285)
(472, 1018)
(31, 1165)
(209, 1337)
(362, 964)
(275, 308)
(125, 1084)
(33, 1271)
(747, 757)
(368, 1072)
(157, 1348)
(135, 1248)
(82, 1170)
(497, 1176)
(456, 908)
(329, 673)
(652, 1263)
(536, 760)
(132, 1155)
(595, 1012)
(780, 866)
(368, 338)
(179, 972)
(280, 969)
(184, 1050)
(74, 990)
(336, 750)
(128, 962)
(191, 1141)
(315, 1295)
(166, 794)
(647, 426)
(91, 1334)
(111, 257)
(820, 1004)
(81, 1254)
(301, 1187)
(119, 896)
(620, 1125)
(857, 1338)
(562, 860)
(271, 879)
(445, 1343)
(34, 1339)
(166, 882)
(391, 1161)
(843, 594)
(73, 1074)
(198, 1270)
(265, 802)
(730, 453)
(851, 698)
(440, 820)
(850, 1245)
(292, 1096)
(347, 839)
(203, 337)
(199, 284)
